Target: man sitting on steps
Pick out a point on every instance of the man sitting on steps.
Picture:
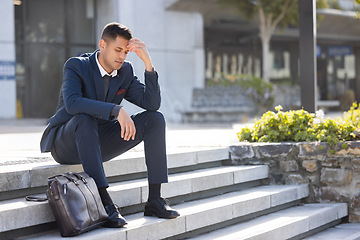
(91, 127)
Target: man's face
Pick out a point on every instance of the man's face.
(113, 53)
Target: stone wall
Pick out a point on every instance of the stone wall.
(332, 177)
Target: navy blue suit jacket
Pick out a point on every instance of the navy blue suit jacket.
(83, 92)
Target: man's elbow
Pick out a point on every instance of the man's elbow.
(70, 110)
(70, 107)
(154, 106)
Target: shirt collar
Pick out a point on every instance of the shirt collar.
(102, 70)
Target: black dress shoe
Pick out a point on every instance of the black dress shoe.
(159, 207)
(115, 218)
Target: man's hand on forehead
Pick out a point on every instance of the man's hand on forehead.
(135, 44)
(139, 47)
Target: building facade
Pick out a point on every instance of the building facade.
(191, 42)
(7, 61)
(40, 35)
(233, 48)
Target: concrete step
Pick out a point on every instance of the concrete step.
(284, 224)
(32, 176)
(198, 215)
(348, 231)
(128, 193)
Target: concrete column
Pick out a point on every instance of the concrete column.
(7, 60)
(175, 43)
(307, 42)
(106, 12)
(199, 52)
(199, 68)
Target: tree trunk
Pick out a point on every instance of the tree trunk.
(266, 31)
(267, 28)
(265, 42)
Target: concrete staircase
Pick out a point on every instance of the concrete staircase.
(214, 200)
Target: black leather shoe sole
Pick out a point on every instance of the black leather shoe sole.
(168, 215)
(115, 223)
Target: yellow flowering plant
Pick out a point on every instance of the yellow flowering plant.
(300, 125)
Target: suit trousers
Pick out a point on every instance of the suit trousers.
(89, 141)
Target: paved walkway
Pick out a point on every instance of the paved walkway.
(20, 138)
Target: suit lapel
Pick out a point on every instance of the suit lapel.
(97, 79)
(99, 85)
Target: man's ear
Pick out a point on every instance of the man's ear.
(102, 44)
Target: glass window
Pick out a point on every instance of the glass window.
(47, 33)
(45, 21)
(78, 51)
(80, 15)
(46, 77)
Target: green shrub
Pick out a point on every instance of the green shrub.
(300, 125)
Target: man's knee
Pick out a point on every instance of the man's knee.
(157, 118)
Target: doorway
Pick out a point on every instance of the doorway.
(47, 32)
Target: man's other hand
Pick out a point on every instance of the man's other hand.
(138, 46)
(127, 125)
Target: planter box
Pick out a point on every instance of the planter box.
(331, 177)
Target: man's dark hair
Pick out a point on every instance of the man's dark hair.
(114, 29)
